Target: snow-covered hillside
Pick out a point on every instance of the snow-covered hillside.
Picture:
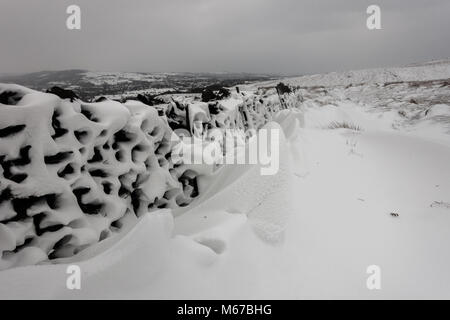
(434, 70)
(364, 180)
(91, 84)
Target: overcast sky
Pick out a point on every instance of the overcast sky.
(259, 36)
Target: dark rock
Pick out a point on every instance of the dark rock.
(208, 95)
(283, 89)
(10, 97)
(63, 93)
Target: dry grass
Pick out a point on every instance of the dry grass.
(344, 125)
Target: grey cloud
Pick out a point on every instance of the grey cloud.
(270, 36)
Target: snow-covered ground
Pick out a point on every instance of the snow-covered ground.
(365, 181)
(433, 70)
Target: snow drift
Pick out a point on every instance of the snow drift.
(368, 184)
(74, 173)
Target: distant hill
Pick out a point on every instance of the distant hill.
(88, 84)
(425, 71)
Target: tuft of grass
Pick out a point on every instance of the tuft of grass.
(344, 125)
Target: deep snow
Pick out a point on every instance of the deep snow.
(311, 231)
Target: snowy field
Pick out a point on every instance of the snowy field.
(364, 180)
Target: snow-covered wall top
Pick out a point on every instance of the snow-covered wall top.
(74, 173)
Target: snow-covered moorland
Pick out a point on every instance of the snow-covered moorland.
(364, 180)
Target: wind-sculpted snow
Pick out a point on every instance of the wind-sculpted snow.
(73, 173)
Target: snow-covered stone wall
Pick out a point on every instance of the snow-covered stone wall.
(74, 173)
